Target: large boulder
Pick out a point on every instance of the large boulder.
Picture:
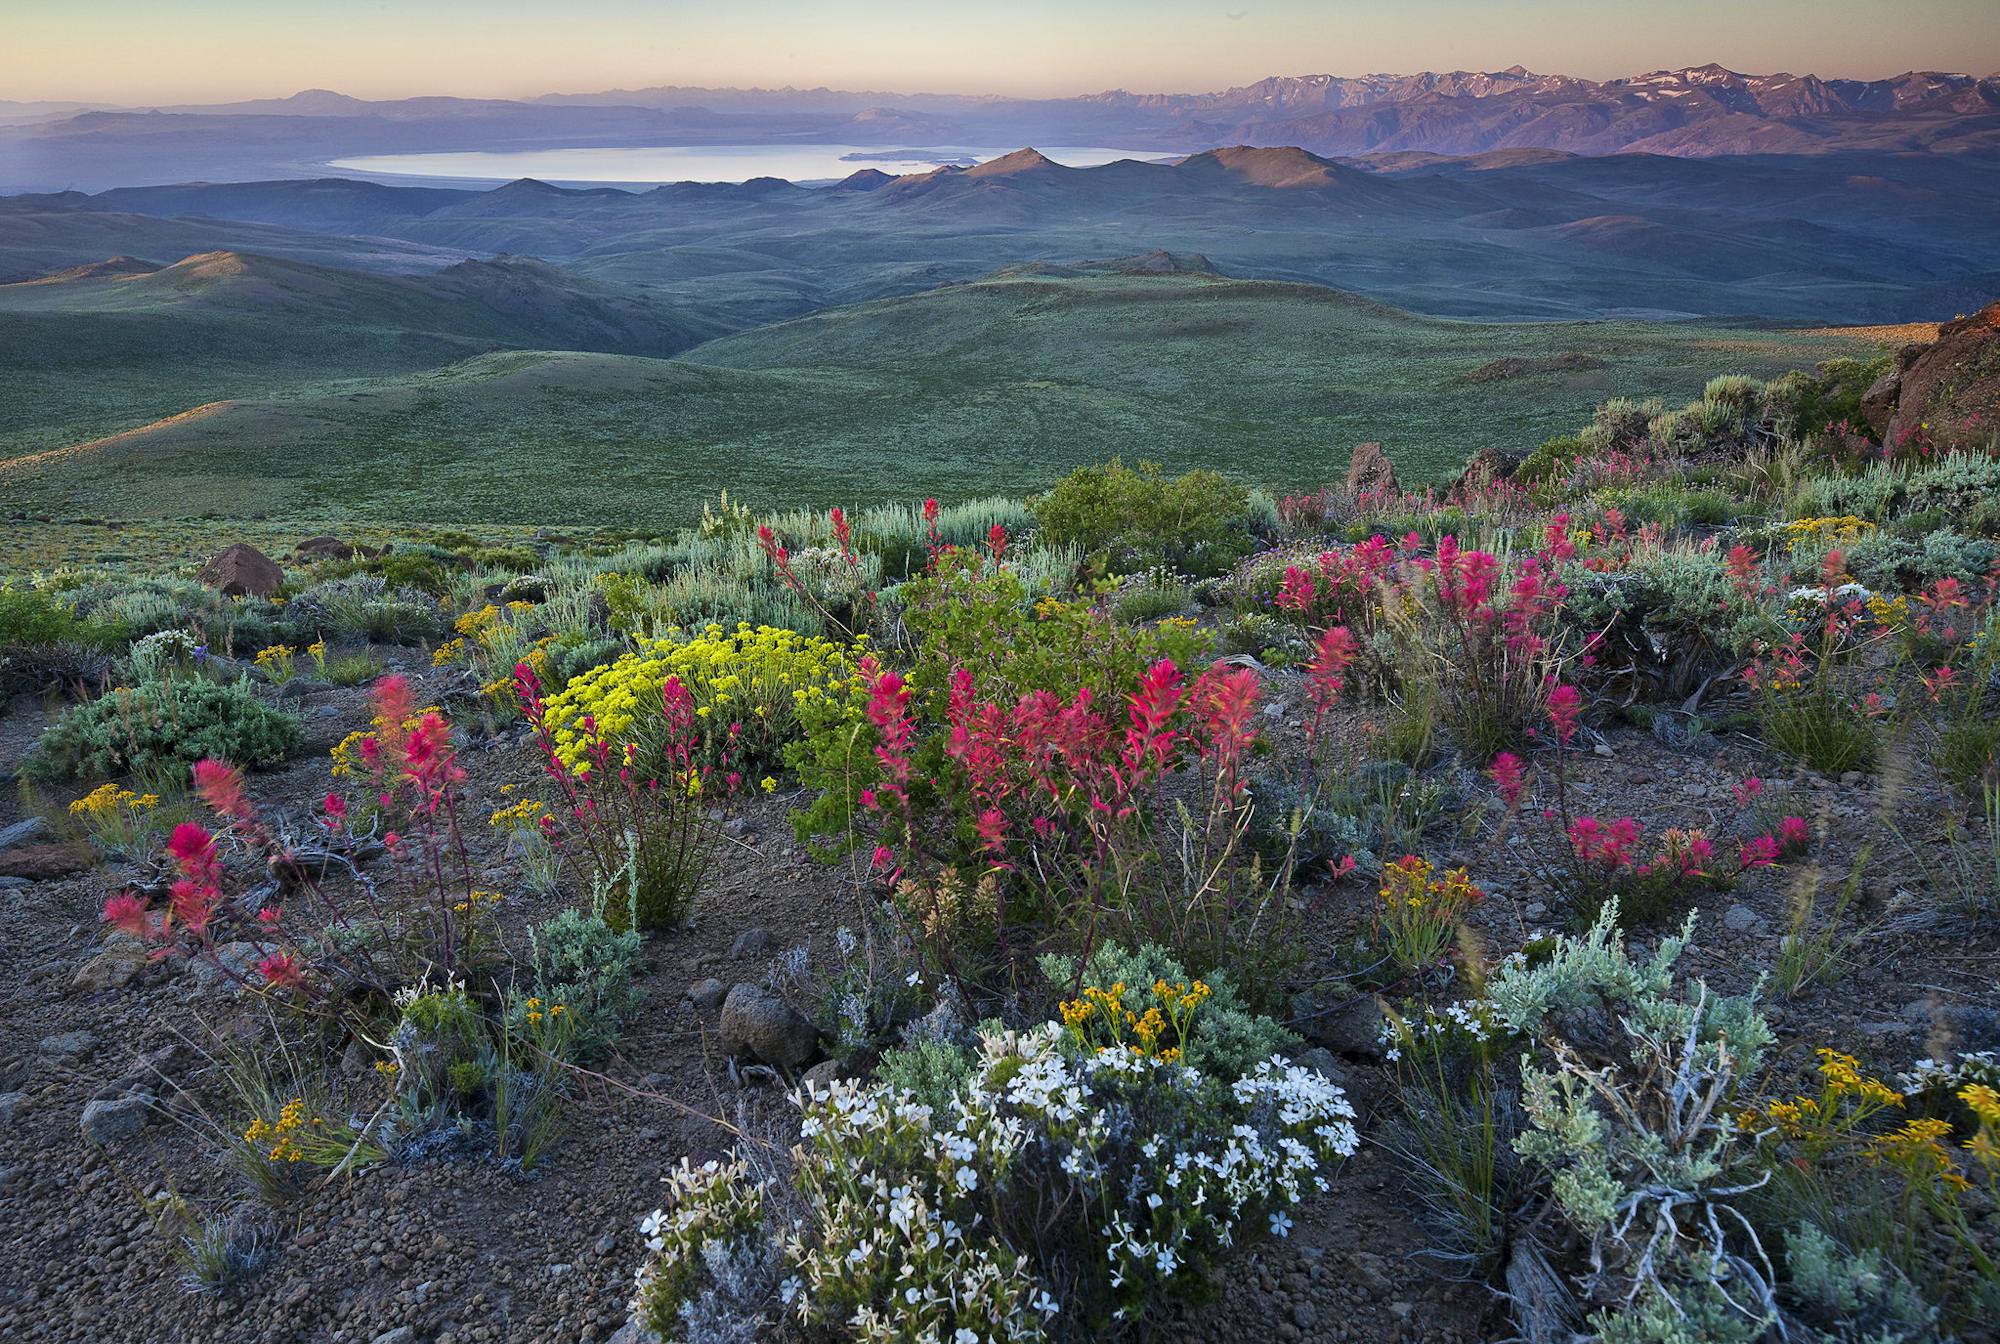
(1370, 472)
(1948, 392)
(242, 571)
(758, 1024)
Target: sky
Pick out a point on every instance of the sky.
(143, 52)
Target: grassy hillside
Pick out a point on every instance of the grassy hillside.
(108, 348)
(1002, 384)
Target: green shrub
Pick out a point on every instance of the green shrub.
(1552, 460)
(1830, 736)
(352, 669)
(228, 625)
(1150, 597)
(933, 1072)
(1620, 424)
(1197, 523)
(584, 964)
(1799, 405)
(363, 608)
(164, 727)
(31, 618)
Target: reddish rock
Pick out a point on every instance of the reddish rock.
(39, 863)
(241, 571)
(1369, 471)
(1949, 391)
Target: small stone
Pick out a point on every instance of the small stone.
(1851, 778)
(751, 943)
(108, 970)
(402, 1334)
(1602, 749)
(706, 995)
(67, 1044)
(10, 1103)
(1742, 919)
(1535, 909)
(606, 1244)
(44, 862)
(108, 1121)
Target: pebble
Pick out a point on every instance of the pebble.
(706, 995)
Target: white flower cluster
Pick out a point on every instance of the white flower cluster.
(1930, 1075)
(1466, 1022)
(1110, 1173)
(715, 1207)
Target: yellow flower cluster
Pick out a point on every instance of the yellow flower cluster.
(1844, 1079)
(1846, 1100)
(536, 1011)
(1984, 1103)
(475, 899)
(278, 655)
(1101, 1015)
(106, 800)
(1409, 884)
(757, 677)
(279, 1141)
(448, 652)
(1892, 612)
(1917, 1150)
(1803, 532)
(476, 624)
(525, 815)
(317, 652)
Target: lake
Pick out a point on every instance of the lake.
(654, 165)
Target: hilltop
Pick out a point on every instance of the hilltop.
(105, 348)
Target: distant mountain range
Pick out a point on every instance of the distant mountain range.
(1513, 233)
(1700, 111)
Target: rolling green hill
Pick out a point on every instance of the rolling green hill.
(107, 348)
(1001, 384)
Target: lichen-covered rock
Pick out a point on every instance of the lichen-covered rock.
(1948, 395)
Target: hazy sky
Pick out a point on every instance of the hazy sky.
(156, 51)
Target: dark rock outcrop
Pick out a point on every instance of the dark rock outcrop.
(242, 571)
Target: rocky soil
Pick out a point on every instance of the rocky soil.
(103, 1054)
